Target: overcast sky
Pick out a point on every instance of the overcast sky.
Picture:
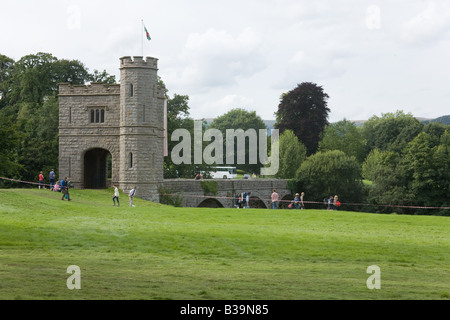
(370, 57)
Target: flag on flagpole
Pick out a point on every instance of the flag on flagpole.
(147, 34)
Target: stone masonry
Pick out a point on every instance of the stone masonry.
(114, 134)
(123, 121)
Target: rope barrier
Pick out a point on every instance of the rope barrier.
(317, 202)
(287, 201)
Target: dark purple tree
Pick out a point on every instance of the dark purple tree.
(304, 111)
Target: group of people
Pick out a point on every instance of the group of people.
(57, 186)
(332, 203)
(64, 185)
(242, 200)
(297, 203)
(131, 195)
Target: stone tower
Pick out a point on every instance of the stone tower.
(141, 126)
(114, 134)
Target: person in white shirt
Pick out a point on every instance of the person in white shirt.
(116, 196)
(131, 196)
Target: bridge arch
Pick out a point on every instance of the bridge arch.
(210, 203)
(285, 200)
(257, 203)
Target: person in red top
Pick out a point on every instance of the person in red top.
(41, 180)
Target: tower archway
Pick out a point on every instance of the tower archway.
(97, 168)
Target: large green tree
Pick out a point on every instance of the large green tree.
(427, 163)
(8, 141)
(29, 106)
(178, 117)
(391, 131)
(236, 119)
(291, 155)
(331, 173)
(6, 71)
(304, 110)
(344, 136)
(388, 184)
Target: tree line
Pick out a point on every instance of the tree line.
(389, 160)
(393, 163)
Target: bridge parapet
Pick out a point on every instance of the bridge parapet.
(194, 195)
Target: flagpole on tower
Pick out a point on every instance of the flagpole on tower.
(142, 36)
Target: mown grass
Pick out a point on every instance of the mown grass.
(158, 252)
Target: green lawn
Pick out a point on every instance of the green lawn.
(158, 252)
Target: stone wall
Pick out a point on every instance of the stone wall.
(77, 134)
(193, 194)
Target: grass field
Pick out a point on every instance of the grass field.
(157, 252)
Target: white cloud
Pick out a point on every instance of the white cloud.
(369, 56)
(217, 58)
(428, 26)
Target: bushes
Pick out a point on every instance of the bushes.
(329, 173)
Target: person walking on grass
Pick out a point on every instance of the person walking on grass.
(116, 196)
(302, 205)
(65, 184)
(131, 196)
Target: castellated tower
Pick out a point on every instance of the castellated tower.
(141, 127)
(114, 134)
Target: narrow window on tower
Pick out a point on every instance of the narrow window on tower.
(92, 116)
(131, 90)
(97, 116)
(102, 115)
(143, 113)
(130, 160)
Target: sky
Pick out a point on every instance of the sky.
(370, 57)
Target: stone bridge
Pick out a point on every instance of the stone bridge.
(194, 192)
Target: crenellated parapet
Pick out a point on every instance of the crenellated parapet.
(95, 88)
(138, 62)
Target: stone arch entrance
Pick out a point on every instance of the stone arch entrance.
(97, 168)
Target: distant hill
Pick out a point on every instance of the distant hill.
(444, 120)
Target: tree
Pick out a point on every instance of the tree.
(8, 141)
(392, 131)
(428, 165)
(332, 172)
(291, 155)
(6, 70)
(304, 111)
(389, 186)
(177, 118)
(344, 136)
(29, 101)
(240, 119)
(103, 77)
